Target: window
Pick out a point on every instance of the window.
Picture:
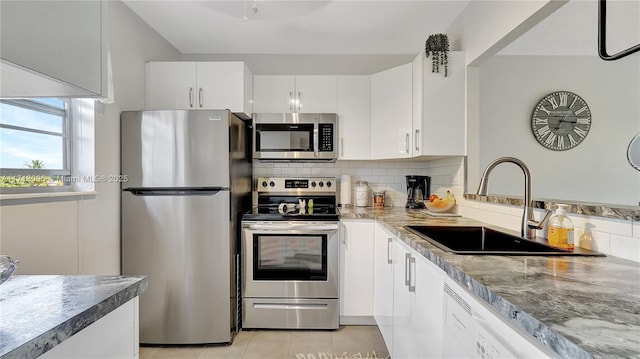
(35, 145)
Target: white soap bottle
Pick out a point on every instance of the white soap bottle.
(560, 229)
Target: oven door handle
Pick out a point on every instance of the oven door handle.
(286, 227)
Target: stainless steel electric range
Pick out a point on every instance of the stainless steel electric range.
(290, 255)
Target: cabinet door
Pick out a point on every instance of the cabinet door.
(383, 284)
(221, 85)
(316, 94)
(426, 319)
(58, 44)
(171, 86)
(273, 94)
(443, 110)
(356, 271)
(417, 305)
(391, 113)
(402, 301)
(354, 117)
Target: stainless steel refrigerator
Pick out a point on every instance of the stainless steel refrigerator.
(188, 179)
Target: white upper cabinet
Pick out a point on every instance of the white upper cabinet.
(199, 85)
(317, 94)
(304, 94)
(392, 113)
(273, 94)
(53, 49)
(171, 85)
(354, 117)
(439, 107)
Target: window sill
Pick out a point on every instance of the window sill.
(24, 198)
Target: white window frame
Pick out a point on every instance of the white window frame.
(67, 136)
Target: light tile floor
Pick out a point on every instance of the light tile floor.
(283, 344)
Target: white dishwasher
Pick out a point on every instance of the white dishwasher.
(471, 330)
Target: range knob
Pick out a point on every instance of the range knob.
(272, 184)
(313, 183)
(264, 184)
(328, 184)
(321, 184)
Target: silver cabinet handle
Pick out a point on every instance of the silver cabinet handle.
(290, 100)
(407, 280)
(299, 101)
(417, 140)
(344, 236)
(191, 97)
(200, 98)
(341, 146)
(412, 274)
(389, 260)
(406, 141)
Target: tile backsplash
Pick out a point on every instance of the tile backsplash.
(388, 175)
(616, 237)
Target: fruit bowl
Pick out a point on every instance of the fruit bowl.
(436, 204)
(7, 267)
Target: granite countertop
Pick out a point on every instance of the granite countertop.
(38, 312)
(579, 307)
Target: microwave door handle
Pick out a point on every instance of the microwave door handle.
(315, 139)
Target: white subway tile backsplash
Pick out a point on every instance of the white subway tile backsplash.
(614, 237)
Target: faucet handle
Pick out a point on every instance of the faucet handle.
(532, 224)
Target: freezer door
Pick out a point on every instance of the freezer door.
(176, 148)
(184, 244)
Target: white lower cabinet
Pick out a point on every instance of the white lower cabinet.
(113, 336)
(356, 272)
(422, 313)
(417, 305)
(383, 283)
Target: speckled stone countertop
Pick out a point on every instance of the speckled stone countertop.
(579, 307)
(38, 312)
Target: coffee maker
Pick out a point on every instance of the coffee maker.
(418, 189)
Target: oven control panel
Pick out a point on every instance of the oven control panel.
(311, 184)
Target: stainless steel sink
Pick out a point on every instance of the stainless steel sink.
(482, 240)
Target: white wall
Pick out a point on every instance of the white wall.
(485, 27)
(83, 236)
(597, 170)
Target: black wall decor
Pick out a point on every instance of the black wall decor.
(602, 36)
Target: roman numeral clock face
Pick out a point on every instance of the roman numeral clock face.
(561, 121)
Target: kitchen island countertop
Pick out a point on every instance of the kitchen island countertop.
(579, 307)
(38, 312)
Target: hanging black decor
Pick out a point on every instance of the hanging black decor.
(437, 46)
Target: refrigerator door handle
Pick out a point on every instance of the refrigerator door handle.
(172, 192)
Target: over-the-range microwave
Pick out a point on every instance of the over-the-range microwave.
(295, 136)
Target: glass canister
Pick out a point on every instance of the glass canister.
(378, 199)
(362, 193)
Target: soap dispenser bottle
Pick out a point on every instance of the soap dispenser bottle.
(560, 229)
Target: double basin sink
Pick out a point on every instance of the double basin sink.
(478, 240)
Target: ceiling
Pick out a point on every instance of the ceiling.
(298, 26)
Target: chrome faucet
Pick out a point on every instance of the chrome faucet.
(529, 224)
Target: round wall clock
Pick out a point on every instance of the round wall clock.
(561, 120)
